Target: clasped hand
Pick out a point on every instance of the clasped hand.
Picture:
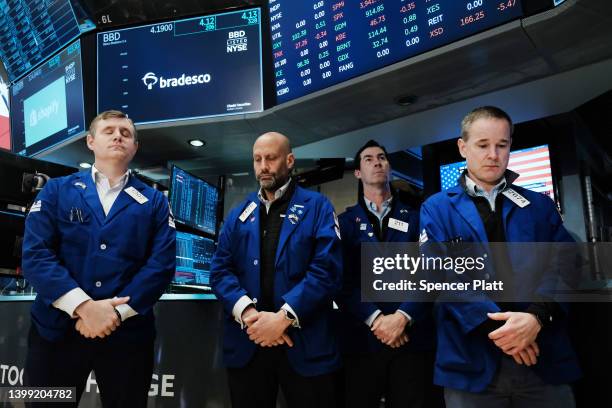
(517, 336)
(98, 318)
(390, 329)
(267, 329)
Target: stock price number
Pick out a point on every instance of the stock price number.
(472, 18)
(382, 53)
(162, 28)
(506, 5)
(251, 16)
(473, 5)
(209, 23)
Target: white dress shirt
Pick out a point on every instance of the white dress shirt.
(385, 209)
(69, 301)
(475, 190)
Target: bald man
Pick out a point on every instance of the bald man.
(276, 270)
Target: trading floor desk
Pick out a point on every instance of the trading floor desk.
(188, 357)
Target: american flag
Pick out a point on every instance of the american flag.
(532, 164)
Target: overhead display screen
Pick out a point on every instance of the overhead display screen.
(184, 69)
(532, 165)
(194, 202)
(5, 133)
(47, 105)
(319, 43)
(31, 31)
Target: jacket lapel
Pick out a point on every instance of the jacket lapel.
(508, 207)
(90, 195)
(394, 235)
(124, 199)
(466, 209)
(367, 234)
(296, 213)
(251, 222)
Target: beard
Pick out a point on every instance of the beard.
(273, 182)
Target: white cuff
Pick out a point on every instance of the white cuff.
(407, 316)
(372, 317)
(288, 308)
(239, 307)
(70, 300)
(125, 311)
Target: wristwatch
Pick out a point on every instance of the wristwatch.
(289, 316)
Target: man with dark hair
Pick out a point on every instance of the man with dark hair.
(99, 248)
(276, 270)
(499, 353)
(388, 347)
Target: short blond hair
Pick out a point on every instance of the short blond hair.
(110, 114)
(484, 112)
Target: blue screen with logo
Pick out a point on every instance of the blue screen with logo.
(184, 69)
(47, 105)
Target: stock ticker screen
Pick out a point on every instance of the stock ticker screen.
(194, 202)
(31, 31)
(47, 104)
(184, 69)
(319, 43)
(193, 257)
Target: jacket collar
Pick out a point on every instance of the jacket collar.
(465, 207)
(90, 195)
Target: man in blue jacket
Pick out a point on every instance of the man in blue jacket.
(388, 347)
(499, 354)
(276, 270)
(99, 248)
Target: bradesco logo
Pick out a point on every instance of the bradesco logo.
(150, 80)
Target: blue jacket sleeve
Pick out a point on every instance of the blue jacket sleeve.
(41, 265)
(323, 276)
(223, 279)
(150, 282)
(418, 311)
(469, 314)
(349, 298)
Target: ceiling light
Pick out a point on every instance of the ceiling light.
(85, 165)
(197, 142)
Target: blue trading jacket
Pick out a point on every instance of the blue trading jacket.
(467, 359)
(70, 243)
(356, 229)
(308, 275)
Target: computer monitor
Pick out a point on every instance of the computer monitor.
(532, 164)
(193, 257)
(32, 31)
(183, 69)
(47, 107)
(194, 202)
